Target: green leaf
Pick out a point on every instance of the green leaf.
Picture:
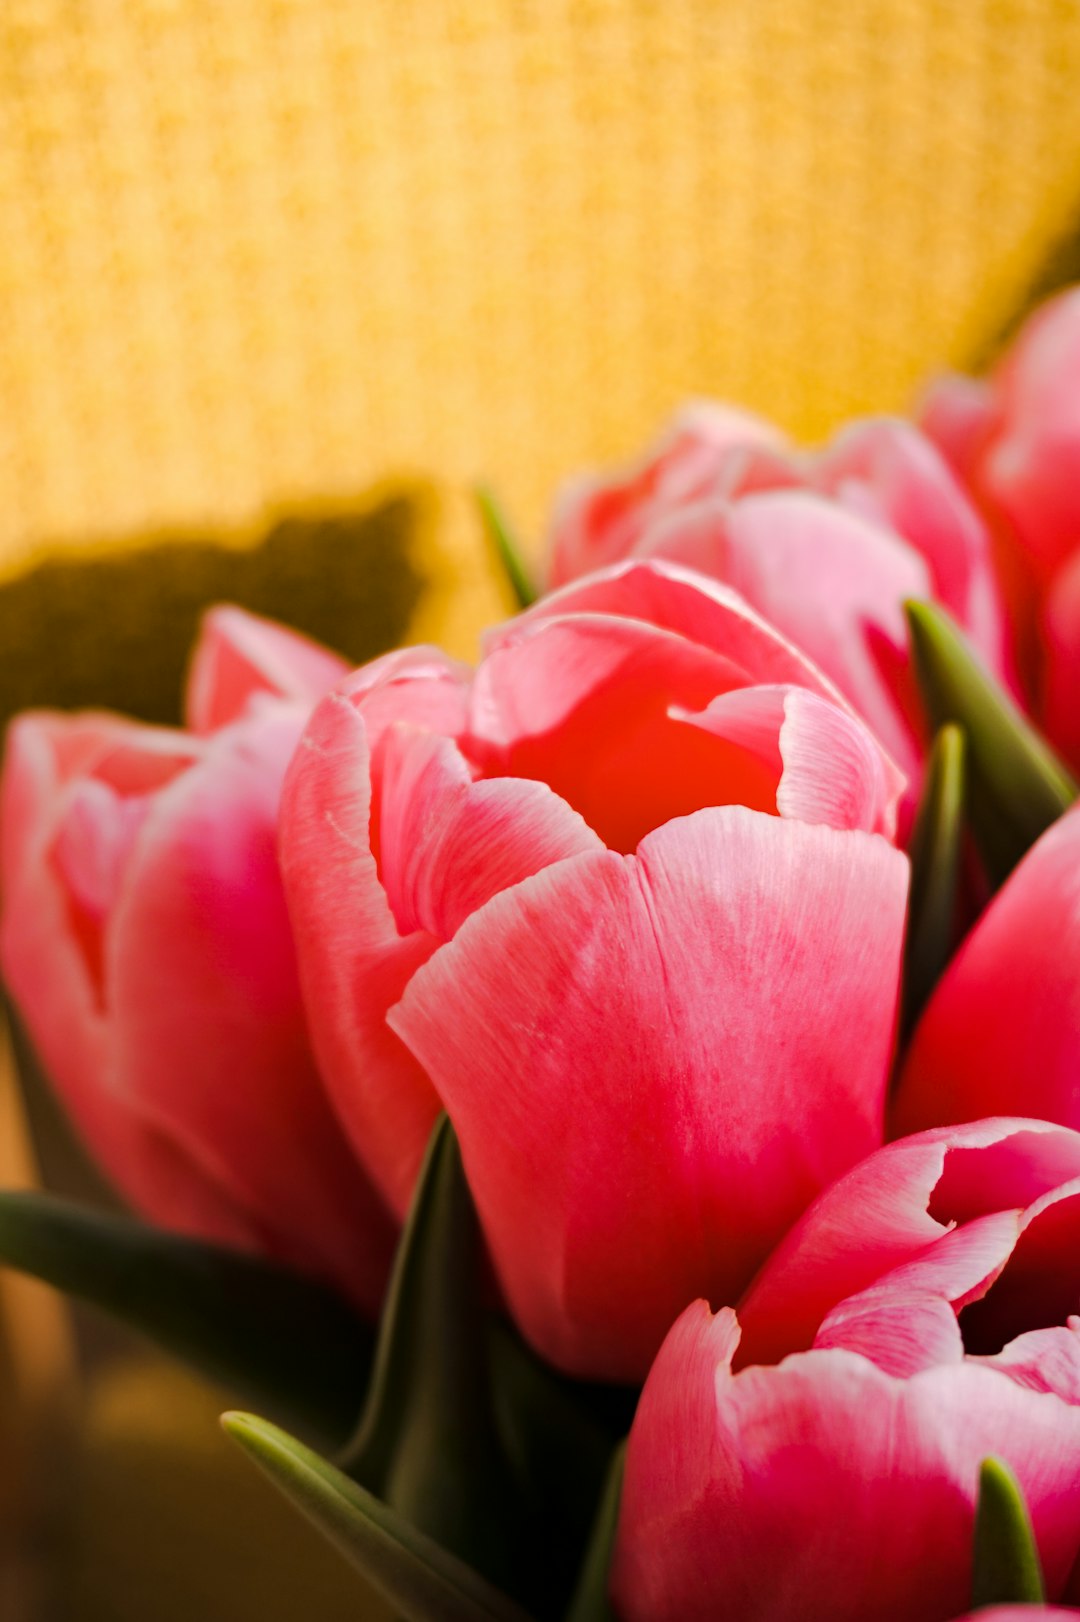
(410, 1571)
(428, 1443)
(268, 1333)
(506, 548)
(1006, 1569)
(1018, 787)
(591, 1602)
(935, 870)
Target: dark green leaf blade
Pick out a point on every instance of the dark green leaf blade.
(428, 1443)
(591, 1602)
(409, 1570)
(255, 1327)
(935, 870)
(506, 547)
(1006, 1569)
(1018, 787)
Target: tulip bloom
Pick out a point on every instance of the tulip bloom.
(621, 901)
(826, 546)
(145, 940)
(1015, 441)
(1001, 1031)
(923, 1311)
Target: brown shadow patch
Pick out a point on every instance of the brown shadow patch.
(115, 631)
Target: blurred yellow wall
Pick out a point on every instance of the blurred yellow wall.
(256, 251)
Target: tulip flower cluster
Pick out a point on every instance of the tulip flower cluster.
(658, 1043)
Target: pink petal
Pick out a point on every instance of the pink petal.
(598, 517)
(907, 1320)
(677, 599)
(890, 1209)
(834, 771)
(886, 470)
(590, 704)
(830, 581)
(208, 1041)
(958, 414)
(1002, 1030)
(58, 986)
(239, 655)
(822, 764)
(354, 961)
(605, 1038)
(825, 1490)
(1040, 1286)
(1030, 469)
(450, 844)
(1061, 653)
(899, 1331)
(1043, 1360)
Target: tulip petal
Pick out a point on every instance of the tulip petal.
(680, 600)
(208, 1037)
(1061, 649)
(603, 1036)
(890, 1210)
(825, 1490)
(584, 703)
(829, 580)
(1030, 469)
(239, 655)
(58, 987)
(448, 844)
(1040, 1286)
(822, 764)
(599, 517)
(1043, 1360)
(1001, 1030)
(907, 1320)
(354, 961)
(958, 414)
(885, 469)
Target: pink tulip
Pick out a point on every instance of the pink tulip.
(922, 1309)
(1015, 441)
(826, 546)
(145, 941)
(1002, 1029)
(620, 901)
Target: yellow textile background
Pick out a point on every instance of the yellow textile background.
(258, 251)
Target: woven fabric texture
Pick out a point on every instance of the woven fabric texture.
(265, 251)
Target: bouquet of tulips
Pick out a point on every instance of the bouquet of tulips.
(615, 1111)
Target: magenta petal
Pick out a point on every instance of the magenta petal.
(603, 1036)
(239, 655)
